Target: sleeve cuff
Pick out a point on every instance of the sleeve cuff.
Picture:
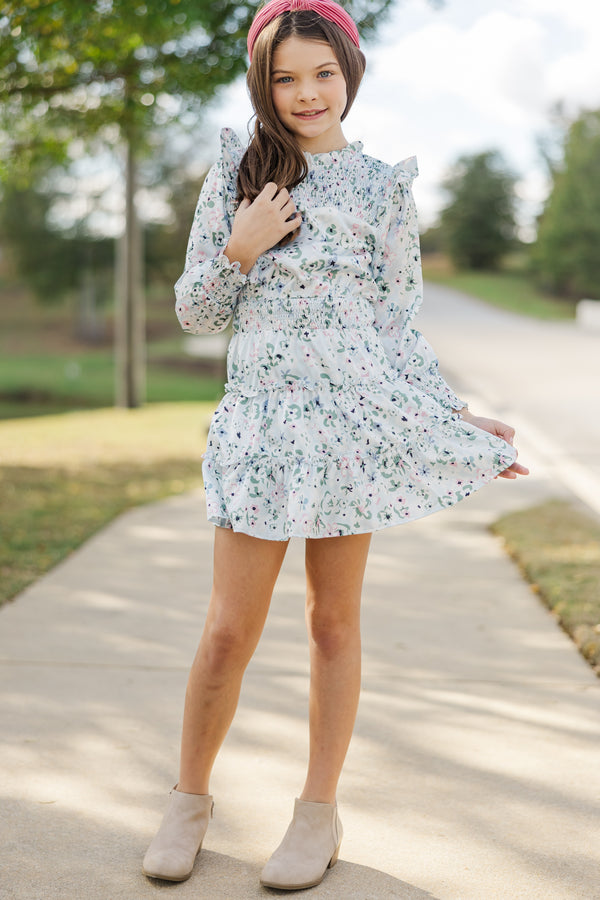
(222, 263)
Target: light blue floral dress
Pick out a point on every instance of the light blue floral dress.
(335, 419)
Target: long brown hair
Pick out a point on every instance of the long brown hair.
(274, 153)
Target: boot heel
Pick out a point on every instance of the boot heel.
(334, 858)
(309, 848)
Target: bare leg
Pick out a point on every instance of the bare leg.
(334, 570)
(245, 571)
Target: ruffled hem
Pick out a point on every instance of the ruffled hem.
(278, 498)
(345, 421)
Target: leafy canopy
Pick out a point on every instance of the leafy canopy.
(479, 223)
(69, 67)
(566, 254)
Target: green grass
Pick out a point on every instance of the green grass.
(65, 476)
(46, 368)
(511, 290)
(557, 547)
(33, 383)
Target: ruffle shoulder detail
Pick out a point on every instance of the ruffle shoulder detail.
(405, 171)
(394, 187)
(232, 150)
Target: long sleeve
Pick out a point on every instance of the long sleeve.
(397, 270)
(208, 289)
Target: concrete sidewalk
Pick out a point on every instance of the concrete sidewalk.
(474, 771)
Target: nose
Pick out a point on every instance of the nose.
(307, 91)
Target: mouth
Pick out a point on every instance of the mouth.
(310, 114)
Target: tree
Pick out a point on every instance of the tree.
(53, 262)
(119, 68)
(566, 254)
(479, 222)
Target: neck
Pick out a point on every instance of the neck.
(324, 143)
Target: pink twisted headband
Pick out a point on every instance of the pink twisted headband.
(326, 8)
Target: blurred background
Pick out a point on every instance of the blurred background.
(110, 113)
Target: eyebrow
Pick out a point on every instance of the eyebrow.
(333, 62)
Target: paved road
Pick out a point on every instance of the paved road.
(544, 377)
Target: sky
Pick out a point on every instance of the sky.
(470, 76)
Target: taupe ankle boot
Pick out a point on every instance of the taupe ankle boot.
(310, 846)
(172, 853)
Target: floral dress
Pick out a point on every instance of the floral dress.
(335, 419)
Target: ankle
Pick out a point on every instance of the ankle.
(192, 787)
(308, 796)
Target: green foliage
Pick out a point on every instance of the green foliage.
(165, 244)
(566, 254)
(71, 68)
(108, 71)
(478, 224)
(432, 240)
(51, 263)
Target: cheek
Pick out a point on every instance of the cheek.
(339, 94)
(278, 101)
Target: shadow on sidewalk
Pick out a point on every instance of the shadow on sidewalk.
(346, 880)
(474, 758)
(54, 854)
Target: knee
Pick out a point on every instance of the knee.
(226, 647)
(332, 634)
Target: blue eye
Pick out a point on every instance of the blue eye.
(283, 80)
(325, 72)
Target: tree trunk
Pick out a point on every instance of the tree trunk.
(90, 326)
(130, 356)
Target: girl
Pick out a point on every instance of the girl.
(336, 421)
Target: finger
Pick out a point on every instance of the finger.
(269, 191)
(283, 197)
(294, 223)
(514, 471)
(246, 202)
(289, 209)
(506, 432)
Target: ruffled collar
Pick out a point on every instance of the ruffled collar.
(333, 156)
(232, 151)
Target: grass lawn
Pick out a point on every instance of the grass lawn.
(45, 367)
(41, 383)
(62, 477)
(511, 289)
(557, 548)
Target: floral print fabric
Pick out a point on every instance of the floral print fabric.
(336, 419)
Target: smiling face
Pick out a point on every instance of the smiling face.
(309, 93)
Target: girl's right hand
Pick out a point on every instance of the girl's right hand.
(260, 224)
